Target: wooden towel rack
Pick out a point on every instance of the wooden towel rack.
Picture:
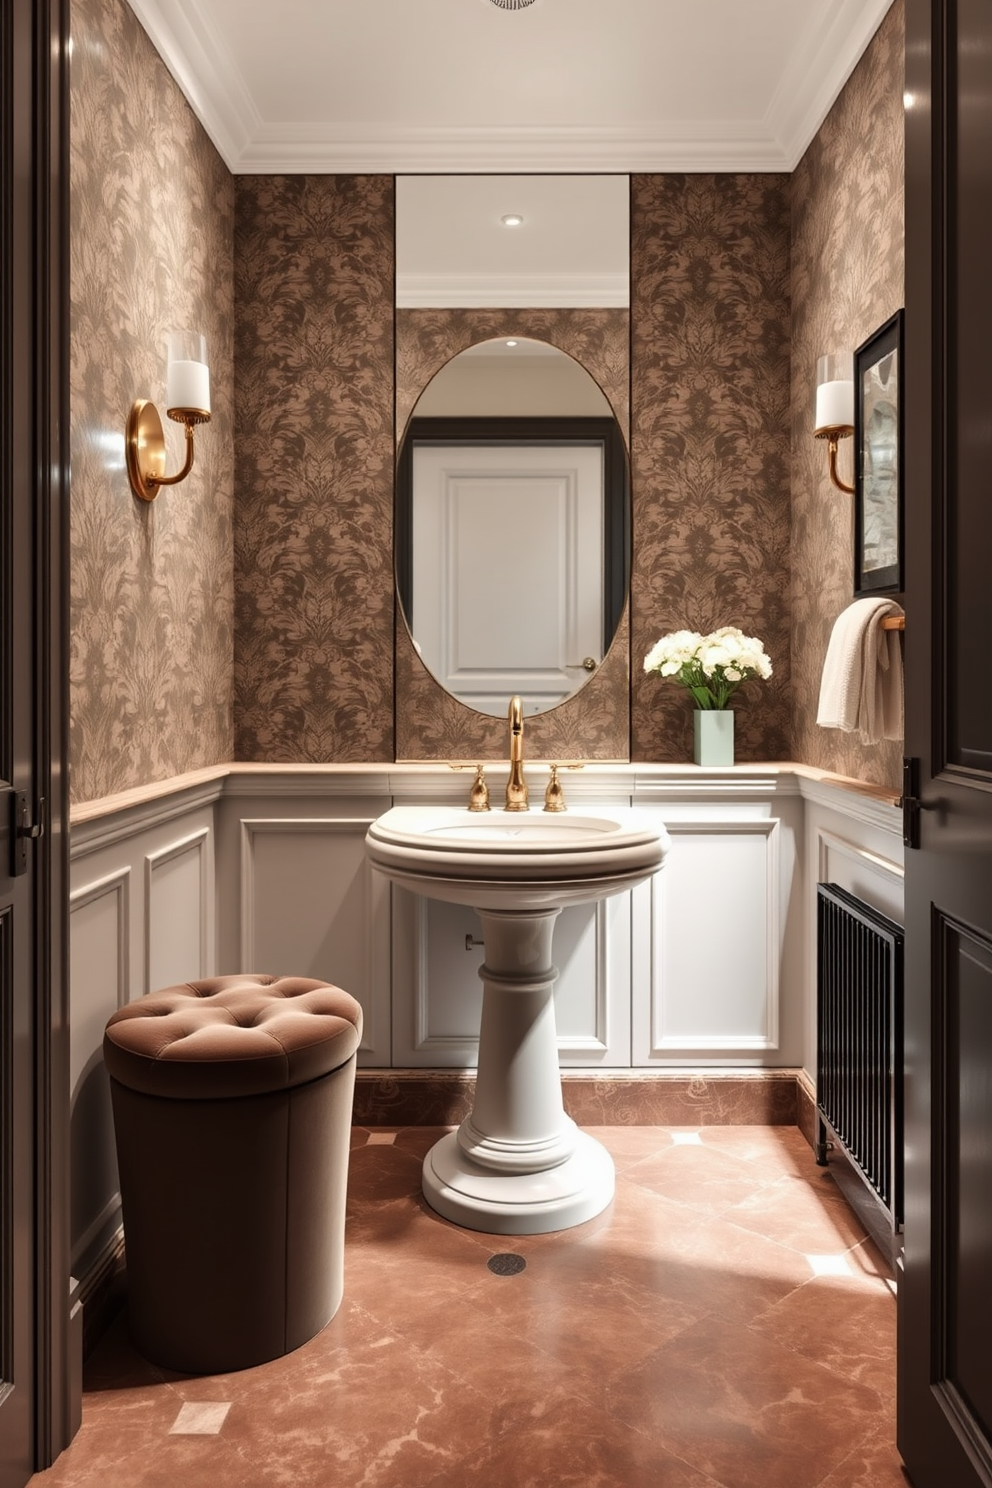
(894, 622)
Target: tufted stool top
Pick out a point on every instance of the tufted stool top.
(231, 1036)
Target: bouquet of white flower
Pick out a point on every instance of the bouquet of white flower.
(711, 667)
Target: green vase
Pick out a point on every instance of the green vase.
(713, 736)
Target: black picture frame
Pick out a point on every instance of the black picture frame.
(879, 443)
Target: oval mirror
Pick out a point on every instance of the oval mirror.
(512, 526)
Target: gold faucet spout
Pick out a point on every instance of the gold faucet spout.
(516, 786)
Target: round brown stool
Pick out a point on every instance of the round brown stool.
(232, 1112)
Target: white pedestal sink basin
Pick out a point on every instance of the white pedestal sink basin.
(517, 1165)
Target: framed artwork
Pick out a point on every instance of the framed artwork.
(878, 461)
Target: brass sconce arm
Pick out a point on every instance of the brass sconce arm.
(833, 435)
(145, 447)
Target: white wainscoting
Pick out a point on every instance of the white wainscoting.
(99, 972)
(178, 899)
(710, 940)
(124, 942)
(311, 906)
(263, 868)
(437, 994)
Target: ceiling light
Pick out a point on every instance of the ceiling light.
(511, 343)
(512, 219)
(513, 4)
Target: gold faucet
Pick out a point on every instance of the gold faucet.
(516, 787)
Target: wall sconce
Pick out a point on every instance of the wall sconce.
(835, 407)
(187, 398)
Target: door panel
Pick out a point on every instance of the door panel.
(513, 532)
(945, 1290)
(17, 1227)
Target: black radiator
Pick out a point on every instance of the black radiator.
(859, 1054)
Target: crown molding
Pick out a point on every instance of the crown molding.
(512, 292)
(807, 89)
(201, 64)
(205, 71)
(512, 151)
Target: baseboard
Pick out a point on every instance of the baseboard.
(806, 1106)
(100, 1291)
(656, 1098)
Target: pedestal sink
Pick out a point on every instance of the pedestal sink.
(517, 1165)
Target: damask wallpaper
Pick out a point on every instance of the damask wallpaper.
(710, 442)
(429, 723)
(313, 658)
(739, 284)
(847, 279)
(152, 215)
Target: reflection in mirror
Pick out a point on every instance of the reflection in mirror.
(512, 526)
(569, 245)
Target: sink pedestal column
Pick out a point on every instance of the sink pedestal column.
(518, 1165)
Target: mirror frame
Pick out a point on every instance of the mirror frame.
(505, 431)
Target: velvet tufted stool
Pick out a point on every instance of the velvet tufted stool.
(232, 1111)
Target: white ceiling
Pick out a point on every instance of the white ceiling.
(408, 86)
(572, 248)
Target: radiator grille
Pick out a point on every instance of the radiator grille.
(859, 1038)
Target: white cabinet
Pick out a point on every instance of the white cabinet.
(717, 960)
(437, 994)
(700, 965)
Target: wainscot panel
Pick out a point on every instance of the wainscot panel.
(142, 915)
(668, 999)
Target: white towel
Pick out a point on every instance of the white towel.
(861, 687)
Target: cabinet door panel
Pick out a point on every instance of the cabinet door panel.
(437, 994)
(709, 946)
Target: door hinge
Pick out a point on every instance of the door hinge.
(910, 802)
(23, 830)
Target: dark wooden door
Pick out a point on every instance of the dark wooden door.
(35, 1405)
(945, 1289)
(17, 905)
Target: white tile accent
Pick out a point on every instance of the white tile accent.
(381, 1139)
(200, 1418)
(830, 1265)
(687, 1139)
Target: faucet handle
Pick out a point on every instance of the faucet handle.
(478, 796)
(554, 796)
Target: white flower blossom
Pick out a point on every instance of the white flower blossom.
(711, 667)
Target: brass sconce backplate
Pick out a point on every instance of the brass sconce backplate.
(145, 449)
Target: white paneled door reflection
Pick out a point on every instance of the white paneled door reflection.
(516, 533)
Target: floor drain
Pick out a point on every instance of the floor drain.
(506, 1264)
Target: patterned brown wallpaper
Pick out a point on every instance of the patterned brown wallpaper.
(313, 560)
(710, 442)
(847, 278)
(716, 537)
(151, 585)
(429, 723)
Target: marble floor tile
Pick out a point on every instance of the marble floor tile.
(778, 1151)
(629, 1144)
(699, 1175)
(743, 1408)
(842, 1324)
(814, 1218)
(678, 1340)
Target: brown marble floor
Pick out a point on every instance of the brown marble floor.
(725, 1324)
